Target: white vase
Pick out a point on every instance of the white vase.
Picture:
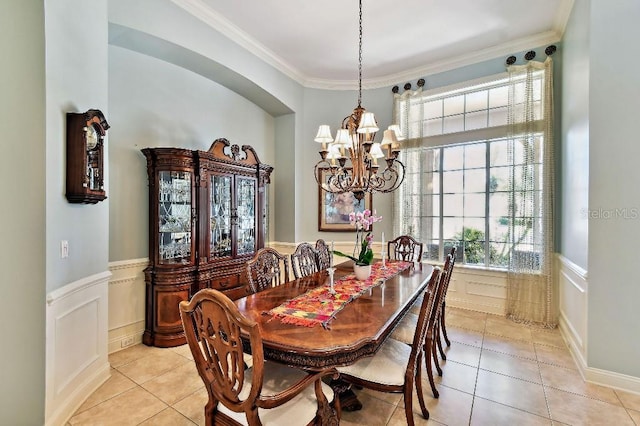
(362, 272)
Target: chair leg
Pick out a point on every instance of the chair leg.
(419, 391)
(434, 355)
(429, 364)
(439, 341)
(444, 327)
(408, 403)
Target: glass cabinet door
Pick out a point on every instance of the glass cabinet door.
(174, 217)
(246, 211)
(220, 216)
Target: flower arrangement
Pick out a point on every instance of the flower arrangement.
(362, 222)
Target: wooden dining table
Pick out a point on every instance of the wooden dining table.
(356, 331)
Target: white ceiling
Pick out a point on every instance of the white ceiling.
(316, 42)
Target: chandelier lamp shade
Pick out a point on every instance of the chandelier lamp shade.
(356, 163)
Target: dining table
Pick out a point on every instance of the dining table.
(356, 329)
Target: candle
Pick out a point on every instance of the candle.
(383, 241)
(331, 256)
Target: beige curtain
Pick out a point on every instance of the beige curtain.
(407, 205)
(530, 292)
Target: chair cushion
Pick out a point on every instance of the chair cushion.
(386, 367)
(406, 329)
(277, 377)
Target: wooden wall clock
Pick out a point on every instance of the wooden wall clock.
(85, 156)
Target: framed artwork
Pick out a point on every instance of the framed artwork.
(334, 209)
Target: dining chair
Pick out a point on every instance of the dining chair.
(442, 326)
(406, 248)
(266, 393)
(407, 327)
(267, 268)
(324, 257)
(304, 260)
(396, 367)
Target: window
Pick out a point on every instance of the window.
(470, 183)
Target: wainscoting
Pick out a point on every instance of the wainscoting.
(126, 314)
(572, 293)
(76, 345)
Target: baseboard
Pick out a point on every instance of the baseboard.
(123, 337)
(573, 342)
(612, 379)
(76, 345)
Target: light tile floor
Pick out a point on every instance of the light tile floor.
(496, 373)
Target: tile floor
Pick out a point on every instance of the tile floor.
(496, 373)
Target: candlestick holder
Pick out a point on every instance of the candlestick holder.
(384, 264)
(331, 272)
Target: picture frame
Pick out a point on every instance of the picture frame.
(334, 209)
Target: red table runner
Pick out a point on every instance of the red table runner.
(318, 306)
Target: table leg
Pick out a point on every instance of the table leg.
(348, 399)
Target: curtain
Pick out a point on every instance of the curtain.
(530, 290)
(407, 200)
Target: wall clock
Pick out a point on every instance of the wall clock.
(85, 156)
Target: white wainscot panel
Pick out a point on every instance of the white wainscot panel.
(126, 303)
(573, 299)
(478, 290)
(76, 345)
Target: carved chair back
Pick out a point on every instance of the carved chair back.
(304, 260)
(322, 250)
(268, 268)
(405, 248)
(213, 326)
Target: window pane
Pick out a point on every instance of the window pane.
(430, 228)
(451, 228)
(431, 205)
(499, 229)
(499, 255)
(476, 120)
(499, 204)
(433, 127)
(498, 117)
(452, 182)
(433, 109)
(476, 101)
(499, 97)
(453, 124)
(499, 180)
(474, 205)
(499, 153)
(454, 105)
(453, 158)
(473, 244)
(432, 250)
(474, 155)
(431, 183)
(475, 180)
(452, 204)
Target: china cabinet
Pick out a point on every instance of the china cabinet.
(207, 217)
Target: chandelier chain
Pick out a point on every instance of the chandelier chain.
(360, 57)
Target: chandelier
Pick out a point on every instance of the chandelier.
(351, 159)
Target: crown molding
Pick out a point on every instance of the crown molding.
(216, 21)
(201, 11)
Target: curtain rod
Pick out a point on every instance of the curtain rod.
(549, 50)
